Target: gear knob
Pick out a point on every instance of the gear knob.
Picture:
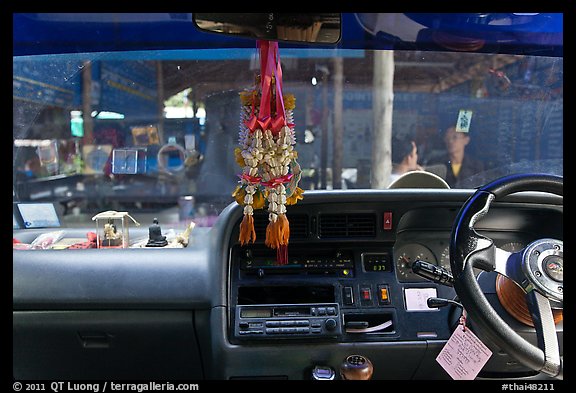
(356, 367)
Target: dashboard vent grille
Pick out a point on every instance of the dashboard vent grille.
(347, 225)
(299, 227)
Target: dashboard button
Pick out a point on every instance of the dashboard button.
(347, 296)
(383, 294)
(387, 226)
(366, 296)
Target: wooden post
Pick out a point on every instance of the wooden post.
(382, 106)
(324, 145)
(87, 103)
(160, 100)
(337, 152)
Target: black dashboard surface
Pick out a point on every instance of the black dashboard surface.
(349, 258)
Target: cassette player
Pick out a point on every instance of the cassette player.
(287, 321)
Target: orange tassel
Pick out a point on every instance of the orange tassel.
(278, 232)
(282, 251)
(247, 232)
(272, 235)
(277, 236)
(284, 229)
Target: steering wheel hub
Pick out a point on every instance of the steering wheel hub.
(542, 264)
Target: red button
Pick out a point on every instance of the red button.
(387, 221)
(366, 295)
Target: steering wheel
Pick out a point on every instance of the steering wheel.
(537, 269)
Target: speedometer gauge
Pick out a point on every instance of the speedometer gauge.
(445, 258)
(512, 246)
(405, 257)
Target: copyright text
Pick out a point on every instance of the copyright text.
(98, 387)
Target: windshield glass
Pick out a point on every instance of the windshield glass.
(154, 133)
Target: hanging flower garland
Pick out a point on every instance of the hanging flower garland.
(270, 172)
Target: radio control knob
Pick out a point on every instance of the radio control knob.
(330, 324)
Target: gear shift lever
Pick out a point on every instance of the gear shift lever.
(356, 367)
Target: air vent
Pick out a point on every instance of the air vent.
(347, 225)
(298, 225)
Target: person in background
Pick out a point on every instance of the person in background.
(404, 157)
(459, 165)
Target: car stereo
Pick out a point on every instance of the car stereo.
(285, 321)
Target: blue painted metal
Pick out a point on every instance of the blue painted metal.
(42, 33)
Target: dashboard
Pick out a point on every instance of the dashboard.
(220, 310)
(349, 281)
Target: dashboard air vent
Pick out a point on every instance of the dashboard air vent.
(299, 228)
(347, 226)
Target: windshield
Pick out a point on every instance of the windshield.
(154, 133)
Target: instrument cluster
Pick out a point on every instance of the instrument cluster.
(432, 248)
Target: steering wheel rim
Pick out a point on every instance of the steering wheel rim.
(468, 249)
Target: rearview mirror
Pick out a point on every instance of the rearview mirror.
(297, 27)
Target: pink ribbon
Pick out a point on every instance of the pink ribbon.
(266, 71)
(280, 111)
(278, 180)
(269, 66)
(250, 179)
(252, 123)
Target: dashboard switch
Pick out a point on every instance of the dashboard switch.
(383, 294)
(366, 296)
(387, 225)
(347, 296)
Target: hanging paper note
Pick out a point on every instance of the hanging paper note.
(464, 354)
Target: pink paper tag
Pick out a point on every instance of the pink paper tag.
(464, 354)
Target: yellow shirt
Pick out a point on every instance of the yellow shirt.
(456, 168)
